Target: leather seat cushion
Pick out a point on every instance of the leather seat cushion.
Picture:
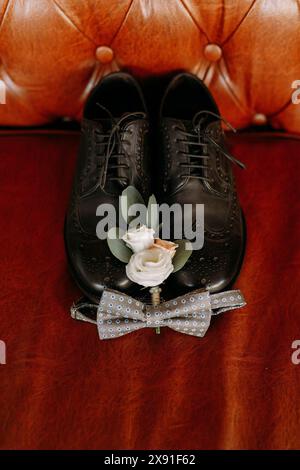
(52, 53)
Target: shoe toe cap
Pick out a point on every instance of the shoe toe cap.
(211, 268)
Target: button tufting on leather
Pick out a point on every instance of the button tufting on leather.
(104, 54)
(259, 119)
(212, 52)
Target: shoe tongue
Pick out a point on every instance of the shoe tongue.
(116, 168)
(130, 118)
(107, 124)
(205, 122)
(193, 148)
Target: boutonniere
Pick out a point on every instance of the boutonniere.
(148, 260)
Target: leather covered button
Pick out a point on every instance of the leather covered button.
(259, 119)
(213, 52)
(104, 54)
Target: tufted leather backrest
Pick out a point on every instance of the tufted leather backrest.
(52, 52)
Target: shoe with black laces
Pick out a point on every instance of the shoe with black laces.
(113, 154)
(196, 168)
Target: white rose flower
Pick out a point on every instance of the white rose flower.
(138, 239)
(150, 267)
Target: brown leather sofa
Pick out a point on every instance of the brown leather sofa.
(63, 388)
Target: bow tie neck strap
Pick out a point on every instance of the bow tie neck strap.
(224, 301)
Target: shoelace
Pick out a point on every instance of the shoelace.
(113, 144)
(198, 135)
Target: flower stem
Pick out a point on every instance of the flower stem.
(155, 297)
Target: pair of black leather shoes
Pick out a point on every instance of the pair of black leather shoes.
(194, 167)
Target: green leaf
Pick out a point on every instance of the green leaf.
(183, 252)
(152, 213)
(129, 197)
(117, 246)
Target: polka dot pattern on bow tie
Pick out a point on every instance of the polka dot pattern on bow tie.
(119, 314)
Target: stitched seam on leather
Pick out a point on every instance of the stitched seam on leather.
(96, 76)
(209, 67)
(194, 19)
(232, 93)
(239, 23)
(63, 12)
(122, 22)
(197, 69)
(281, 109)
(4, 14)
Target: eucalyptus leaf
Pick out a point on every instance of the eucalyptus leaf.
(152, 220)
(129, 197)
(117, 246)
(183, 252)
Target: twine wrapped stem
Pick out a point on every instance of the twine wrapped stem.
(155, 297)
